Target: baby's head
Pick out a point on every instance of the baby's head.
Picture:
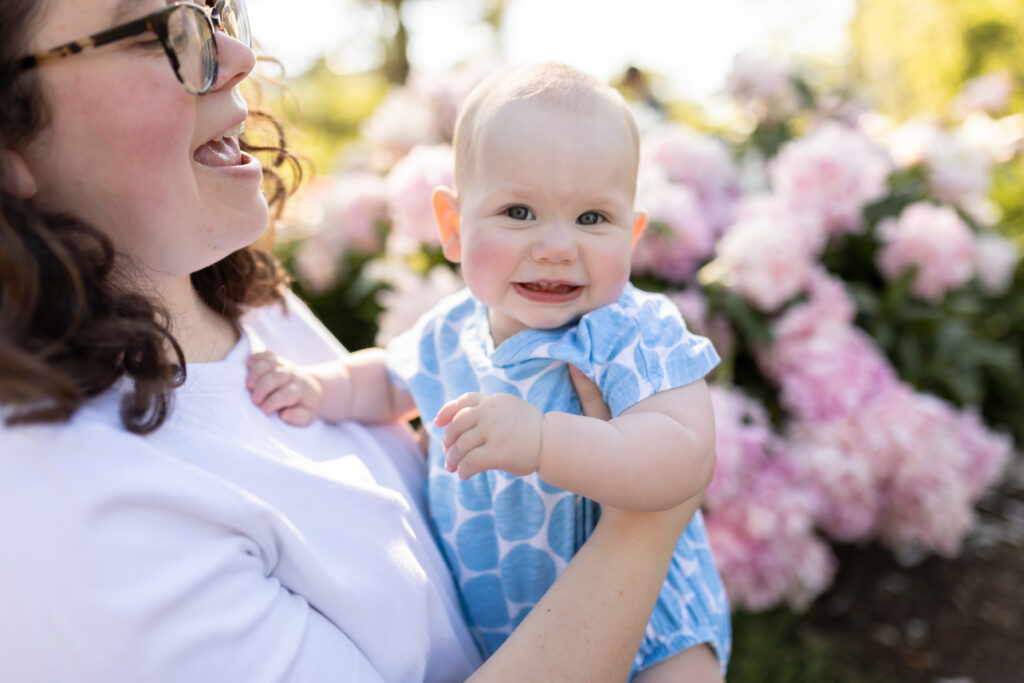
(542, 217)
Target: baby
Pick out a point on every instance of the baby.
(542, 222)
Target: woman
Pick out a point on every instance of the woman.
(156, 525)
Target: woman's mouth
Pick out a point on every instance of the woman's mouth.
(548, 292)
(222, 150)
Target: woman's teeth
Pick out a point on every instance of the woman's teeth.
(232, 132)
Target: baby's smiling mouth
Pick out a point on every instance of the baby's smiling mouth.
(548, 287)
(548, 292)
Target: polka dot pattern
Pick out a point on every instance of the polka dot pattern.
(507, 538)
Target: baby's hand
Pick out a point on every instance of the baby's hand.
(278, 386)
(499, 431)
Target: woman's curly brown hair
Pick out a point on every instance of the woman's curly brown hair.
(68, 331)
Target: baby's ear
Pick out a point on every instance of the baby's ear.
(446, 213)
(639, 225)
(15, 177)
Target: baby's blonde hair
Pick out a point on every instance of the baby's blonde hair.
(551, 83)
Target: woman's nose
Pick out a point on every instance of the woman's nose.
(236, 61)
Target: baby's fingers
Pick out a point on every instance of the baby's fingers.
(450, 410)
(463, 446)
(258, 365)
(283, 397)
(297, 416)
(267, 385)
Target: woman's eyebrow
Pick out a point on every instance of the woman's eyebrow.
(126, 9)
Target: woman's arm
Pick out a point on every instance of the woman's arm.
(589, 624)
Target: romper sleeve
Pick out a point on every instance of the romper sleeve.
(635, 348)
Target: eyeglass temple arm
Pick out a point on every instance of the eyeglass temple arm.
(96, 40)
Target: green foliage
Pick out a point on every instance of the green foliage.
(332, 110)
(780, 646)
(914, 56)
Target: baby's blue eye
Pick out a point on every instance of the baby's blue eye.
(519, 213)
(590, 218)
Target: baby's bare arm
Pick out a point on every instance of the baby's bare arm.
(356, 387)
(653, 456)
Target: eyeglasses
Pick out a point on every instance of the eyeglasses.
(185, 30)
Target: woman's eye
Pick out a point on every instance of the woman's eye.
(519, 213)
(590, 218)
(147, 44)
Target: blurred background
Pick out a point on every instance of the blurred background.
(836, 192)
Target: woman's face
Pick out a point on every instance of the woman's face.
(126, 148)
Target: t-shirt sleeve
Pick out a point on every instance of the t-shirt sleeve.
(639, 351)
(120, 568)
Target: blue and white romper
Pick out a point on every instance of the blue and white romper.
(506, 538)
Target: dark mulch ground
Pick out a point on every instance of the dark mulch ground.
(940, 620)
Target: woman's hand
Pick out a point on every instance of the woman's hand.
(589, 624)
(591, 400)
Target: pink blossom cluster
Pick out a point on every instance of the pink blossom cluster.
(348, 214)
(766, 262)
(702, 163)
(933, 241)
(760, 518)
(989, 93)
(410, 185)
(763, 86)
(823, 364)
(995, 262)
(833, 172)
(905, 467)
(409, 294)
(879, 459)
(678, 238)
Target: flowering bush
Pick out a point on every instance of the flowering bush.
(850, 270)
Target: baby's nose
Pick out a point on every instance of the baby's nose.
(555, 244)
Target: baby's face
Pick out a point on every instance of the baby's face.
(546, 215)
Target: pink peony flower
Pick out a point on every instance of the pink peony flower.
(409, 186)
(765, 546)
(805, 224)
(316, 263)
(410, 295)
(989, 93)
(354, 206)
(403, 120)
(834, 172)
(845, 480)
(700, 162)
(765, 263)
(958, 172)
(744, 441)
(995, 262)
(932, 239)
(762, 84)
(678, 238)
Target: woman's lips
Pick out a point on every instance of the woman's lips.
(547, 292)
(219, 153)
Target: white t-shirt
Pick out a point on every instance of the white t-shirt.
(226, 546)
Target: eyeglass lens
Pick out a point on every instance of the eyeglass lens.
(194, 46)
(188, 34)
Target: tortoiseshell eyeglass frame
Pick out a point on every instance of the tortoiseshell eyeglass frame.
(157, 23)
